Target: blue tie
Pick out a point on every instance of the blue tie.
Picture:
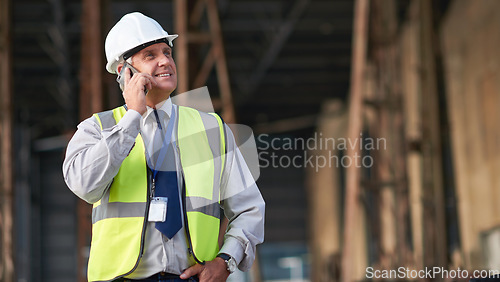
(166, 184)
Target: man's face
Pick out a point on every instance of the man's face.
(157, 61)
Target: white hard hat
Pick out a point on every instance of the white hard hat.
(130, 34)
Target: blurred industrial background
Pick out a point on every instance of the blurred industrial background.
(422, 76)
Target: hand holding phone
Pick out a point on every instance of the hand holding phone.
(121, 76)
(135, 85)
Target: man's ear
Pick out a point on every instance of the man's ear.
(119, 68)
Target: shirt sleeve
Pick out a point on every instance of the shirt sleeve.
(94, 156)
(244, 207)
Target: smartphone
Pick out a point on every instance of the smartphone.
(121, 76)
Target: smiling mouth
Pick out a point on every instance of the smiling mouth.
(163, 75)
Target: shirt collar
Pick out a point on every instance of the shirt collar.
(165, 106)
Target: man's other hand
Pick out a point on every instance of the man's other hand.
(212, 271)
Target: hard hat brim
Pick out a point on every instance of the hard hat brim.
(111, 66)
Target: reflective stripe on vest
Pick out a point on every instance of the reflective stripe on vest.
(122, 210)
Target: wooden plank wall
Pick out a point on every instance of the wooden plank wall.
(471, 42)
(403, 107)
(435, 228)
(405, 181)
(409, 172)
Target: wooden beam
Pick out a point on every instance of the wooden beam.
(181, 43)
(7, 265)
(91, 101)
(351, 215)
(197, 13)
(199, 37)
(220, 62)
(205, 69)
(410, 57)
(91, 71)
(435, 248)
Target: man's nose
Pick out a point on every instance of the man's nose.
(164, 60)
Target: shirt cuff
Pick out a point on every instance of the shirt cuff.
(131, 122)
(234, 248)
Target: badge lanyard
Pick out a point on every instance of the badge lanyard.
(165, 144)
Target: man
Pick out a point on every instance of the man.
(157, 174)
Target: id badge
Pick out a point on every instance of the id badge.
(158, 209)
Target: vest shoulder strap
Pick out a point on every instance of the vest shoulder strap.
(105, 119)
(215, 127)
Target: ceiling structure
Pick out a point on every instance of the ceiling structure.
(286, 57)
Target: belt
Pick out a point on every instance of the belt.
(161, 276)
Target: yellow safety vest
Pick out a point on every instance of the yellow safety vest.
(119, 219)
